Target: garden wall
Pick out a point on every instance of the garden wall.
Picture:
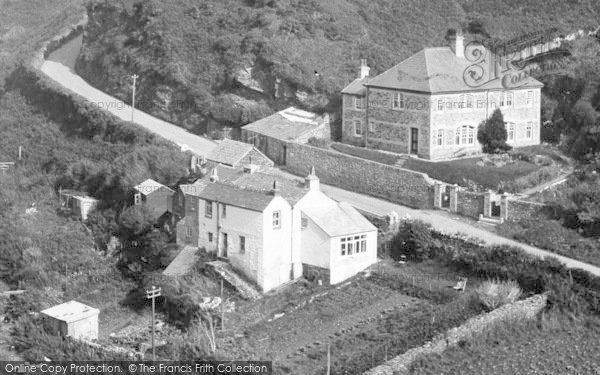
(399, 185)
(469, 203)
(518, 209)
(525, 309)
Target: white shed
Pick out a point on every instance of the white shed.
(73, 319)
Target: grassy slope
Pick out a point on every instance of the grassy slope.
(201, 44)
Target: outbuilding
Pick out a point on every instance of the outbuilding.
(73, 319)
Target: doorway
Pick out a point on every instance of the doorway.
(224, 247)
(414, 140)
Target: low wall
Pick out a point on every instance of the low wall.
(399, 185)
(518, 209)
(525, 309)
(469, 203)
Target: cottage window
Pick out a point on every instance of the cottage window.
(242, 244)
(210, 237)
(501, 102)
(137, 199)
(343, 246)
(358, 128)
(509, 99)
(440, 137)
(303, 223)
(529, 97)
(511, 131)
(440, 105)
(469, 99)
(461, 102)
(358, 103)
(191, 204)
(208, 209)
(529, 130)
(471, 135)
(398, 101)
(188, 232)
(276, 219)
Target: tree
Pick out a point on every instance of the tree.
(492, 134)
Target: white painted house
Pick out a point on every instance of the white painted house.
(273, 229)
(73, 319)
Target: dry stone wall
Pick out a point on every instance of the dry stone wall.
(399, 185)
(525, 309)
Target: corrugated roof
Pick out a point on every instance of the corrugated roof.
(286, 125)
(338, 219)
(229, 152)
(71, 311)
(356, 87)
(150, 186)
(435, 70)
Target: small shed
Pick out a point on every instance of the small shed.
(157, 197)
(73, 319)
(77, 203)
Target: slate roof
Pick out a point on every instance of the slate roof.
(286, 125)
(229, 194)
(338, 219)
(435, 70)
(150, 186)
(291, 190)
(229, 152)
(356, 87)
(71, 311)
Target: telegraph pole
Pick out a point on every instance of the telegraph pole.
(134, 77)
(152, 294)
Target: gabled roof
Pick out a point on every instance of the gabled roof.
(435, 70)
(286, 125)
(228, 194)
(290, 189)
(71, 311)
(230, 152)
(338, 219)
(356, 87)
(150, 186)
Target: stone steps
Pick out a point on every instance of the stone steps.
(225, 271)
(490, 220)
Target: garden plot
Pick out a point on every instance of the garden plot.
(360, 320)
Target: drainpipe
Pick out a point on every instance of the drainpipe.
(367, 117)
(218, 231)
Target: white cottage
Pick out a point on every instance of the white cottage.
(73, 319)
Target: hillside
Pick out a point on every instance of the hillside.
(206, 63)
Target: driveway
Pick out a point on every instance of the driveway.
(59, 67)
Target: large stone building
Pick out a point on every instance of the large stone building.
(426, 106)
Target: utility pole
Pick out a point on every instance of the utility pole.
(134, 77)
(152, 294)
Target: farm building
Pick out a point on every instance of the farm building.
(238, 154)
(72, 319)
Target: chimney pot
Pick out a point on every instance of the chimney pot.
(275, 190)
(364, 68)
(214, 177)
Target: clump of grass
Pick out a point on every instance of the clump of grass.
(495, 293)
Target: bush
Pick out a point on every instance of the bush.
(495, 293)
(492, 134)
(413, 239)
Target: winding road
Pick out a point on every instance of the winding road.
(60, 67)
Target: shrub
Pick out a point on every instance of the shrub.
(413, 239)
(495, 293)
(492, 134)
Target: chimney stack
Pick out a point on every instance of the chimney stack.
(275, 190)
(364, 68)
(312, 181)
(458, 44)
(213, 175)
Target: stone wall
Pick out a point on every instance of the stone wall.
(469, 203)
(399, 185)
(518, 209)
(520, 310)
